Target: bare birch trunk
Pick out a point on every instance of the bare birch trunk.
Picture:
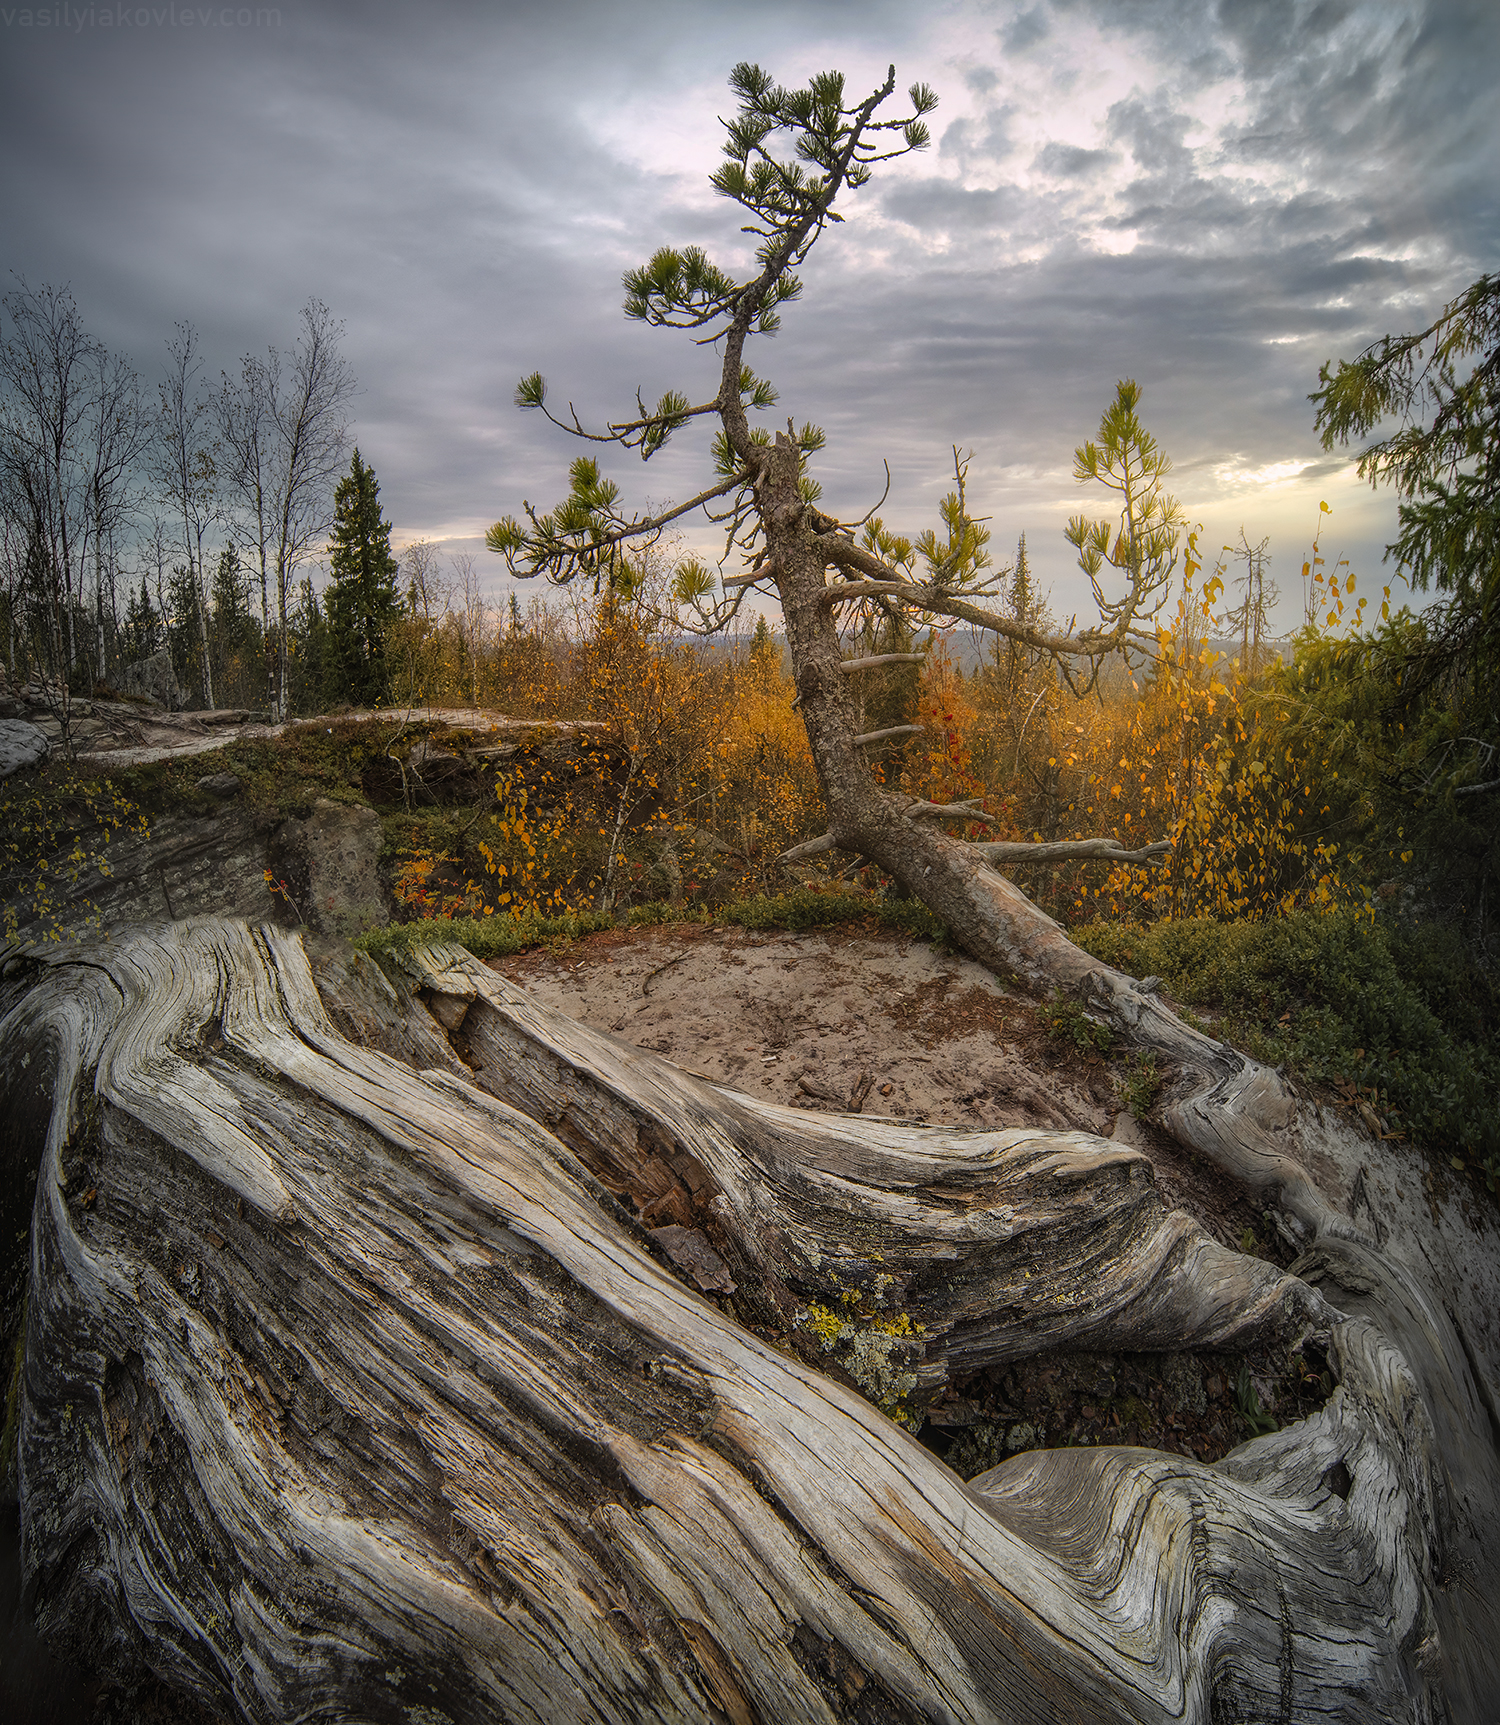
(366, 1382)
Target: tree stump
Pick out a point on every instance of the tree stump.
(365, 1381)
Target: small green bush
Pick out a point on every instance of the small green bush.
(1142, 1084)
(1066, 1021)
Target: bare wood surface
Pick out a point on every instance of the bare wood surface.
(361, 1382)
(873, 660)
(1068, 850)
(887, 735)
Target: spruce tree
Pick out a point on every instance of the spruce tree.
(763, 649)
(1022, 600)
(232, 626)
(361, 599)
(143, 626)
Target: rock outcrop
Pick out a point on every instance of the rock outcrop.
(155, 679)
(22, 744)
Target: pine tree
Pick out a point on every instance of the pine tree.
(361, 599)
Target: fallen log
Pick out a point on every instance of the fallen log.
(464, 1363)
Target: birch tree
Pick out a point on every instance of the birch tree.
(285, 426)
(72, 433)
(185, 467)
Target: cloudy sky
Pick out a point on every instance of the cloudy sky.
(1211, 198)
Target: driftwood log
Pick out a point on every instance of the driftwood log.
(399, 1350)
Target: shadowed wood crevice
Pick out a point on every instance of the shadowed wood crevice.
(356, 1385)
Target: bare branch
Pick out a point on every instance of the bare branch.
(811, 848)
(876, 504)
(875, 659)
(968, 810)
(1008, 850)
(894, 731)
(653, 523)
(1068, 850)
(883, 581)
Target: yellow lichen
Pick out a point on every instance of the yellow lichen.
(872, 1342)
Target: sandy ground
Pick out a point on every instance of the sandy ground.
(877, 1023)
(808, 1018)
(886, 1024)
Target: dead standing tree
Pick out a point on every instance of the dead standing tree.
(507, 1403)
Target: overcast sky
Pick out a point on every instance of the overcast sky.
(1213, 199)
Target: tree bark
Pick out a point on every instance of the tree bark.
(367, 1381)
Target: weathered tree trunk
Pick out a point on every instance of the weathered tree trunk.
(364, 1381)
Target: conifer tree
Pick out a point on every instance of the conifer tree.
(1022, 599)
(143, 625)
(361, 599)
(763, 643)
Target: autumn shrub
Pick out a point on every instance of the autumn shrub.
(768, 797)
(939, 767)
(1184, 748)
(697, 777)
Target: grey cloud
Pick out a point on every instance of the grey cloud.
(445, 179)
(1152, 131)
(1264, 31)
(986, 138)
(940, 204)
(1026, 30)
(1070, 161)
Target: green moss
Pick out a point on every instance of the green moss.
(284, 775)
(485, 937)
(805, 909)
(56, 829)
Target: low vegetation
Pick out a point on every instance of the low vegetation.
(1397, 1018)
